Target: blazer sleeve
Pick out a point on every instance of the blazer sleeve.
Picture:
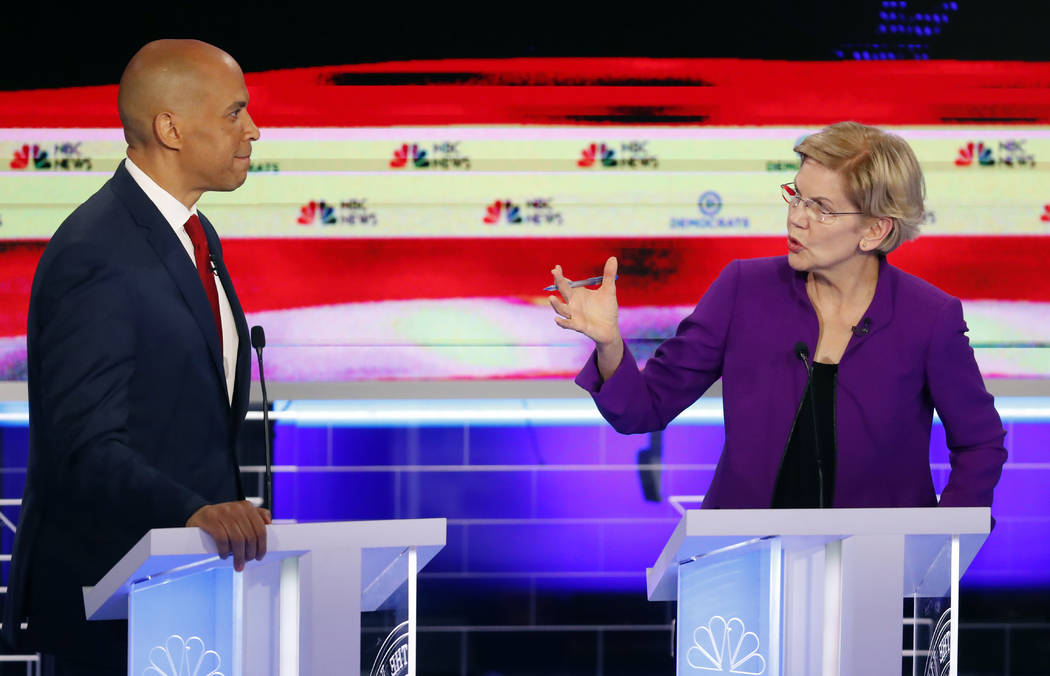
(86, 346)
(682, 369)
(974, 431)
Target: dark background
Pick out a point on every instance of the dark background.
(45, 44)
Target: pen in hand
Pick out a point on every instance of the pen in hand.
(590, 281)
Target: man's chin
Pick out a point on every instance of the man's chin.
(232, 184)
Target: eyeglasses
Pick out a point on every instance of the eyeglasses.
(791, 195)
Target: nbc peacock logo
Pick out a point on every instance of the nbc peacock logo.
(316, 212)
(348, 212)
(971, 151)
(441, 155)
(65, 156)
(178, 657)
(536, 211)
(502, 210)
(1008, 153)
(409, 153)
(599, 153)
(726, 647)
(30, 155)
(625, 155)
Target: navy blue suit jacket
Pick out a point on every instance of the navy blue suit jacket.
(130, 426)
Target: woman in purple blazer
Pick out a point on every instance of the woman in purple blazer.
(849, 426)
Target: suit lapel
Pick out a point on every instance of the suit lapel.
(169, 249)
(242, 374)
(242, 377)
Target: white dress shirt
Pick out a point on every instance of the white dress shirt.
(176, 214)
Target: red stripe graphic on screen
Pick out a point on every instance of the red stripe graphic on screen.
(596, 91)
(657, 271)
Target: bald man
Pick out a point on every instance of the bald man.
(139, 361)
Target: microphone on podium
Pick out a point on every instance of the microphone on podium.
(259, 342)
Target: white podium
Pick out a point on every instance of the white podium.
(811, 591)
(298, 611)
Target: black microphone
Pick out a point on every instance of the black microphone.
(802, 352)
(259, 342)
(862, 330)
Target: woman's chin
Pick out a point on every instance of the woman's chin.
(798, 262)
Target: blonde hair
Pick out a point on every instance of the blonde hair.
(882, 175)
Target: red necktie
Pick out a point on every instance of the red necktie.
(202, 256)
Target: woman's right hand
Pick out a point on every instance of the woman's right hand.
(592, 312)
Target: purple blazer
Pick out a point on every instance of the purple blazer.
(915, 357)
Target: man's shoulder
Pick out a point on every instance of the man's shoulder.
(93, 234)
(95, 218)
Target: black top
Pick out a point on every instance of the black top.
(809, 459)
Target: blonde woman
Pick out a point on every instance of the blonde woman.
(832, 360)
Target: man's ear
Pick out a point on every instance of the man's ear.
(876, 233)
(166, 130)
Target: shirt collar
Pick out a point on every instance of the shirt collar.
(173, 211)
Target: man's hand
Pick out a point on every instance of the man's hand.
(238, 528)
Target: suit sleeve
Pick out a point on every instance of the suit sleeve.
(682, 369)
(974, 431)
(87, 349)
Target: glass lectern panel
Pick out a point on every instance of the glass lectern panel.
(930, 607)
(185, 625)
(729, 611)
(927, 636)
(387, 620)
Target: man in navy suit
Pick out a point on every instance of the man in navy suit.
(139, 360)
